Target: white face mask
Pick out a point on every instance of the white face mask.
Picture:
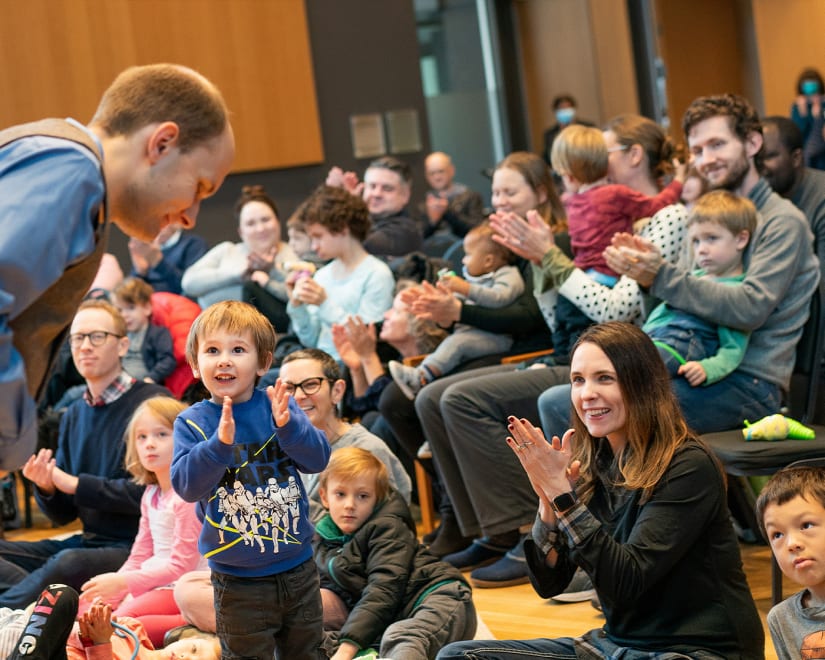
(565, 115)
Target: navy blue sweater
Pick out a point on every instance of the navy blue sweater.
(91, 446)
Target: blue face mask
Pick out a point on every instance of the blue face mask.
(565, 115)
(810, 87)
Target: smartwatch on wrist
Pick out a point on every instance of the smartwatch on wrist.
(564, 502)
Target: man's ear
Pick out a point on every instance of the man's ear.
(753, 143)
(162, 140)
(796, 158)
(123, 346)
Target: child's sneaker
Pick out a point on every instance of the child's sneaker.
(407, 378)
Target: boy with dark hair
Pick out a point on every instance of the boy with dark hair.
(791, 511)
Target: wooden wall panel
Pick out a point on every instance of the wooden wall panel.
(790, 37)
(578, 48)
(702, 45)
(57, 57)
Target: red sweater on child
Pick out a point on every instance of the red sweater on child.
(594, 215)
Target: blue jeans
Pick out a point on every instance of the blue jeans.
(28, 567)
(592, 645)
(256, 616)
(718, 407)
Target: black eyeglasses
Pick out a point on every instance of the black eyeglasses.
(309, 386)
(96, 338)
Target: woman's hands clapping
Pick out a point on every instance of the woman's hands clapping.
(548, 465)
(531, 238)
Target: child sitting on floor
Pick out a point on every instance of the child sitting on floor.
(166, 545)
(596, 209)
(379, 586)
(791, 512)
(48, 631)
(489, 280)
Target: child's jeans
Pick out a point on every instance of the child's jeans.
(257, 615)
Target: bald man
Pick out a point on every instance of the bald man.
(450, 209)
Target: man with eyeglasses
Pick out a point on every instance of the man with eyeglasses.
(386, 190)
(86, 479)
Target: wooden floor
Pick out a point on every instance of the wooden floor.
(518, 613)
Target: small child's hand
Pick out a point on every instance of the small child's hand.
(693, 372)
(226, 427)
(679, 170)
(280, 402)
(108, 587)
(455, 284)
(96, 623)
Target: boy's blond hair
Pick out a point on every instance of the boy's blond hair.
(134, 291)
(349, 463)
(166, 409)
(581, 153)
(807, 482)
(234, 317)
(724, 208)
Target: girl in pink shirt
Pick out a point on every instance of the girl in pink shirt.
(166, 545)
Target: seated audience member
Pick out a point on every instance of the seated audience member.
(166, 545)
(176, 313)
(53, 630)
(781, 274)
(806, 113)
(305, 370)
(162, 262)
(313, 379)
(150, 357)
(783, 167)
(490, 280)
(357, 344)
(719, 229)
(222, 273)
(86, 479)
(596, 210)
(450, 209)
(299, 240)
(352, 283)
(462, 415)
(396, 595)
(791, 513)
(638, 503)
(386, 190)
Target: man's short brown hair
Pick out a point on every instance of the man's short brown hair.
(155, 93)
(741, 115)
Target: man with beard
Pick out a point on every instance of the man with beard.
(159, 143)
(725, 138)
(785, 170)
